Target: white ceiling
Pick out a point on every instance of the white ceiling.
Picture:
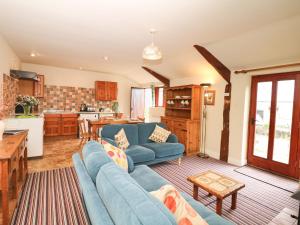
(73, 33)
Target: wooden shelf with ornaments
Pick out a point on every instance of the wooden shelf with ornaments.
(182, 115)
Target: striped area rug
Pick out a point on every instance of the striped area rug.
(51, 198)
(257, 203)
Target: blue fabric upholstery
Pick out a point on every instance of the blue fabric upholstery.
(148, 178)
(110, 141)
(90, 147)
(131, 166)
(140, 154)
(165, 149)
(127, 202)
(172, 138)
(145, 130)
(95, 161)
(131, 131)
(97, 211)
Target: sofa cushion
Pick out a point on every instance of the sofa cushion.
(121, 140)
(117, 155)
(181, 209)
(165, 149)
(131, 131)
(210, 217)
(90, 147)
(159, 135)
(145, 130)
(140, 154)
(127, 202)
(94, 162)
(148, 178)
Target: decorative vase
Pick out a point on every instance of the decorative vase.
(27, 110)
(2, 126)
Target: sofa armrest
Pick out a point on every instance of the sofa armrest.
(110, 141)
(172, 138)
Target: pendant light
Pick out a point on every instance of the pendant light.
(152, 52)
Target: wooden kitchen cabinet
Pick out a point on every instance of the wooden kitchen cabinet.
(52, 125)
(39, 86)
(61, 124)
(69, 124)
(106, 91)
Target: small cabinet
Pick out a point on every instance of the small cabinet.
(39, 86)
(106, 91)
(60, 124)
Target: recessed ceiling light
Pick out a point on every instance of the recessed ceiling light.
(105, 58)
(80, 68)
(33, 54)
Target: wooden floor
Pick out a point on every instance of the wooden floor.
(58, 153)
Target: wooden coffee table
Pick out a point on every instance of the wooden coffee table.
(217, 185)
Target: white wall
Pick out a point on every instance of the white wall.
(79, 78)
(8, 60)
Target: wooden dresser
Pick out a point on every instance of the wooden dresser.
(182, 116)
(13, 169)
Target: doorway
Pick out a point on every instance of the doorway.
(273, 142)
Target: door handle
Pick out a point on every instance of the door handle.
(252, 121)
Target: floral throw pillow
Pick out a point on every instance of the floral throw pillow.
(121, 140)
(159, 134)
(183, 212)
(116, 154)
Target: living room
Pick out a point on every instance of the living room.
(218, 80)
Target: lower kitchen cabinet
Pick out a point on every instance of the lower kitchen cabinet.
(61, 124)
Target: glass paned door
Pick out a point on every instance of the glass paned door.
(274, 123)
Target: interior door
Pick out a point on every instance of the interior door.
(137, 103)
(274, 124)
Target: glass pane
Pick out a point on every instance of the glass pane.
(283, 123)
(262, 123)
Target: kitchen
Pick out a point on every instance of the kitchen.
(59, 107)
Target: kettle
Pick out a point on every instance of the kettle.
(83, 108)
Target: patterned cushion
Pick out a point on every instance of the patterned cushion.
(159, 134)
(121, 140)
(117, 155)
(181, 209)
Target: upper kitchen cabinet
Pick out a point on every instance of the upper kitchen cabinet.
(39, 86)
(106, 91)
(31, 87)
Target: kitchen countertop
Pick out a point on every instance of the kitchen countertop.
(70, 112)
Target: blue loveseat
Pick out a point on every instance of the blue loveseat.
(141, 149)
(113, 196)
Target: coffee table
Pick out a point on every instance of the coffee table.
(217, 185)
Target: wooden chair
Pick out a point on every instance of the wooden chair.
(85, 134)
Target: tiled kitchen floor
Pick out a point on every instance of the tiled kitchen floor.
(58, 153)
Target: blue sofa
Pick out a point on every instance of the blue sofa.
(141, 149)
(113, 196)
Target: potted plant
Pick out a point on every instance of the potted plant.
(27, 102)
(115, 108)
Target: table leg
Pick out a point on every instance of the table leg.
(195, 192)
(219, 206)
(14, 179)
(25, 164)
(233, 200)
(4, 192)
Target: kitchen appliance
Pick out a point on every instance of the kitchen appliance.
(25, 75)
(83, 108)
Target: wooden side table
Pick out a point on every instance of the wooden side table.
(217, 185)
(13, 167)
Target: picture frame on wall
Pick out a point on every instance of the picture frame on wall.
(209, 97)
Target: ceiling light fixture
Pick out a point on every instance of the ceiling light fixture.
(152, 52)
(105, 58)
(33, 54)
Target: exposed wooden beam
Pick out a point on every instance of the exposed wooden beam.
(158, 76)
(212, 60)
(267, 68)
(225, 73)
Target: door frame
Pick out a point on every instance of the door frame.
(292, 169)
